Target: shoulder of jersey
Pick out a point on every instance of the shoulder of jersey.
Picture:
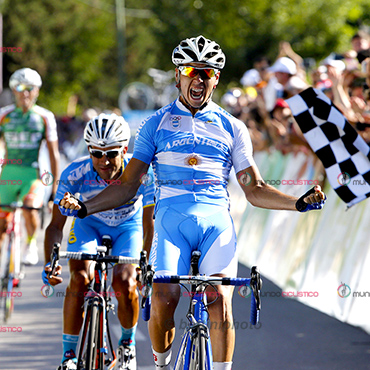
(162, 111)
(6, 110)
(78, 162)
(42, 111)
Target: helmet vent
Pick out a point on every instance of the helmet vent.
(107, 130)
(191, 54)
(201, 44)
(177, 55)
(97, 128)
(110, 129)
(210, 55)
(103, 126)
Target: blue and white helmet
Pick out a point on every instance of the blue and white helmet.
(199, 50)
(107, 130)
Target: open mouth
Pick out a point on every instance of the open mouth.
(196, 93)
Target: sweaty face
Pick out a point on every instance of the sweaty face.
(108, 168)
(26, 99)
(196, 90)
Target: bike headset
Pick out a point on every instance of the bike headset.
(198, 50)
(107, 130)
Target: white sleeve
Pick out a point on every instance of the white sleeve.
(51, 127)
(51, 133)
(242, 153)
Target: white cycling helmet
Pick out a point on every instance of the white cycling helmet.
(107, 130)
(25, 76)
(199, 50)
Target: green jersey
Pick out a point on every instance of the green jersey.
(24, 132)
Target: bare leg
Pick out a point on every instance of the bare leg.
(222, 328)
(74, 299)
(124, 284)
(165, 298)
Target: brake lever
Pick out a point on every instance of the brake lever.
(147, 289)
(256, 285)
(54, 257)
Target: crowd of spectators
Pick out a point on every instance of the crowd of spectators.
(260, 99)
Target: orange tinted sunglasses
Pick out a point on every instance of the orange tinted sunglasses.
(191, 72)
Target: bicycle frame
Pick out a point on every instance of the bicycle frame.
(195, 351)
(95, 342)
(197, 326)
(97, 296)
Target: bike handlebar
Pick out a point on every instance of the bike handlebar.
(56, 255)
(215, 280)
(255, 282)
(98, 258)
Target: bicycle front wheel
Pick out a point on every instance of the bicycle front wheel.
(93, 345)
(7, 285)
(203, 362)
(6, 297)
(193, 354)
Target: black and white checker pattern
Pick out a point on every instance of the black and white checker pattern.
(343, 152)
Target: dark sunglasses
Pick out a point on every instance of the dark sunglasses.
(191, 72)
(109, 153)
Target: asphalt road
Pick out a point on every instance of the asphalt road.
(291, 336)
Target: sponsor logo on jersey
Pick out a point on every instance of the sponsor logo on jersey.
(78, 172)
(175, 121)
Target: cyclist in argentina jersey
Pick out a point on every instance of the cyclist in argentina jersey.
(23, 126)
(193, 143)
(107, 137)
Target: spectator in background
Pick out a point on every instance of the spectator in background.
(258, 73)
(71, 130)
(289, 137)
(235, 101)
(361, 44)
(285, 70)
(263, 80)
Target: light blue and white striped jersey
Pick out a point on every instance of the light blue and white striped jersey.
(80, 177)
(192, 156)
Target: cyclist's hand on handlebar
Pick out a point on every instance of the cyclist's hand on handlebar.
(313, 199)
(54, 279)
(71, 206)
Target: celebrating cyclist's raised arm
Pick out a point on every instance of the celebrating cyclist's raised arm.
(114, 195)
(262, 195)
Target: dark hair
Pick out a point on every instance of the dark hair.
(360, 35)
(261, 58)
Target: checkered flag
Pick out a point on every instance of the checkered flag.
(343, 152)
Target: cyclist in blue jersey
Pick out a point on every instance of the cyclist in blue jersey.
(107, 137)
(193, 143)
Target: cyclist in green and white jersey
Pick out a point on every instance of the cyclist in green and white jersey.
(23, 127)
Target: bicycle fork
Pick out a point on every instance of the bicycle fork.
(198, 353)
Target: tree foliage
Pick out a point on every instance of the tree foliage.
(73, 43)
